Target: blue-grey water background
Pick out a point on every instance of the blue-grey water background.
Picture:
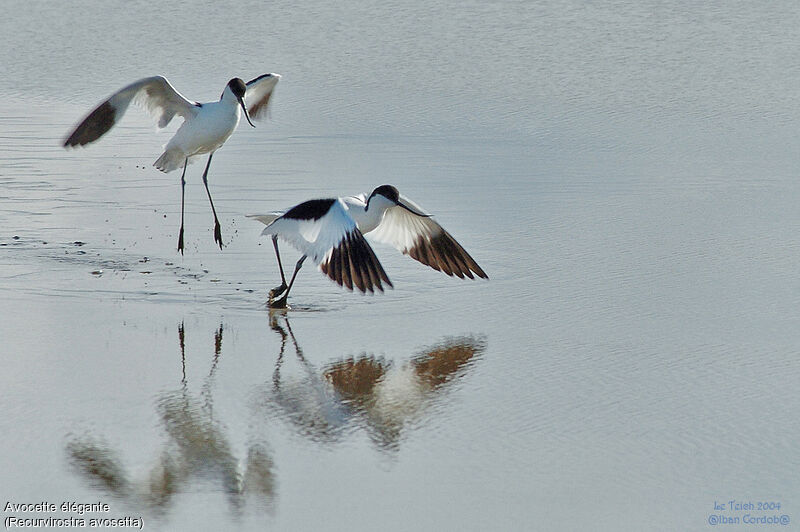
(625, 172)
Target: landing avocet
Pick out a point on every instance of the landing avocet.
(330, 231)
(205, 128)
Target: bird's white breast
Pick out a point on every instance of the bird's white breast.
(365, 220)
(214, 124)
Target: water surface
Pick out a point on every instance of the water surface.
(624, 172)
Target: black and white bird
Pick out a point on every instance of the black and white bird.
(331, 231)
(205, 128)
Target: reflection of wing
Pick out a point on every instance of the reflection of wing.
(414, 233)
(155, 94)
(332, 240)
(355, 379)
(443, 362)
(259, 92)
(99, 464)
(389, 395)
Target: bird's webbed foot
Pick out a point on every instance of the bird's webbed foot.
(218, 234)
(278, 290)
(278, 303)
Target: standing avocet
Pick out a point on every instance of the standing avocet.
(205, 128)
(330, 231)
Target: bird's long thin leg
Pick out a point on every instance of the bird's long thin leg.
(183, 188)
(280, 303)
(217, 229)
(278, 289)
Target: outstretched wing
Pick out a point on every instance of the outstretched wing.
(155, 94)
(259, 92)
(414, 233)
(324, 231)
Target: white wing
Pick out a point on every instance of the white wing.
(155, 94)
(332, 240)
(420, 237)
(259, 92)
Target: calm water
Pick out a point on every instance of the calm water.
(624, 172)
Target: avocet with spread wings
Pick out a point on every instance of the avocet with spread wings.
(331, 232)
(205, 128)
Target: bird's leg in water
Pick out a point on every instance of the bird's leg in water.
(217, 230)
(281, 303)
(278, 290)
(183, 188)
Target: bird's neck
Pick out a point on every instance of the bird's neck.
(228, 98)
(367, 220)
(228, 106)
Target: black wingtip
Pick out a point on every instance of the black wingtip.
(94, 126)
(444, 254)
(353, 264)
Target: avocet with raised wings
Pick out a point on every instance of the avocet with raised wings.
(330, 232)
(205, 128)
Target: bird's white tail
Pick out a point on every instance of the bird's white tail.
(265, 219)
(170, 160)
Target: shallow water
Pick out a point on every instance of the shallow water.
(625, 173)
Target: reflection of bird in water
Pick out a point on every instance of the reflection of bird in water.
(382, 397)
(197, 449)
(387, 396)
(331, 232)
(306, 401)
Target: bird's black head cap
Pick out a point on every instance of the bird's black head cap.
(387, 191)
(238, 88)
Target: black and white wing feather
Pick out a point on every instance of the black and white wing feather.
(155, 94)
(413, 232)
(258, 95)
(323, 231)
